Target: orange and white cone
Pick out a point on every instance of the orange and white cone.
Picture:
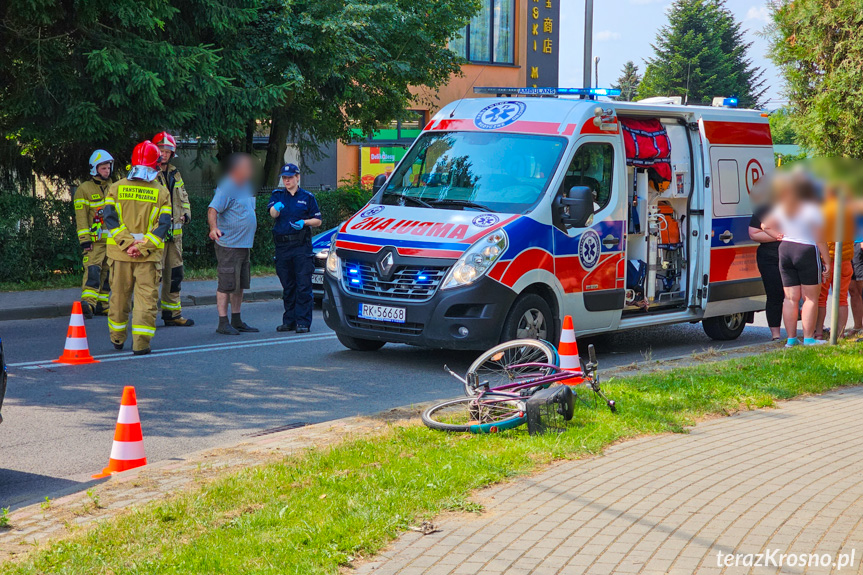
(76, 351)
(127, 452)
(568, 351)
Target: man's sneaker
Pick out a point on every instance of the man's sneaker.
(144, 351)
(244, 327)
(792, 342)
(286, 327)
(302, 329)
(227, 329)
(813, 341)
(87, 310)
(179, 321)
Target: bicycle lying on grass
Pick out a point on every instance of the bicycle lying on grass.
(509, 385)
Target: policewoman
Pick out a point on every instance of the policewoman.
(295, 212)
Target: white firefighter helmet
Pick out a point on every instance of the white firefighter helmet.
(100, 157)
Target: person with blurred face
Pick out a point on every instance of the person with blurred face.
(233, 223)
(798, 223)
(830, 208)
(767, 258)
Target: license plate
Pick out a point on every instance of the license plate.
(318, 279)
(382, 313)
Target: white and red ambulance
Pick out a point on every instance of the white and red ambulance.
(508, 213)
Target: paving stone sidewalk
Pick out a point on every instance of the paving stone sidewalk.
(789, 478)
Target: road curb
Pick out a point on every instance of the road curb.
(62, 310)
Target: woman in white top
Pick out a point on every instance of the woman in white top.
(797, 221)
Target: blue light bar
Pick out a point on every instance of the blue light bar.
(730, 102)
(353, 271)
(547, 91)
(355, 281)
(422, 278)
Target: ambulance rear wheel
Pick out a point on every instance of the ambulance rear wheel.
(359, 344)
(724, 327)
(529, 318)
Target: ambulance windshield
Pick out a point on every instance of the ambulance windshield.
(482, 171)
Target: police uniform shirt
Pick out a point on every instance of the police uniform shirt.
(300, 206)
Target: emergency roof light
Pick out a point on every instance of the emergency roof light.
(513, 91)
(723, 102)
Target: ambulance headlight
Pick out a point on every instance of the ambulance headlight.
(333, 267)
(477, 260)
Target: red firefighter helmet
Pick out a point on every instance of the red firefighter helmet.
(146, 154)
(166, 140)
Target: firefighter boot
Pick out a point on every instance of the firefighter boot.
(171, 320)
(87, 309)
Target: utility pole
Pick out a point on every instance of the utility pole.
(588, 41)
(837, 268)
(596, 71)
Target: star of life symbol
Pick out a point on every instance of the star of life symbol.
(589, 249)
(485, 220)
(499, 114)
(372, 211)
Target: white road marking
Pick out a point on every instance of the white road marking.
(183, 350)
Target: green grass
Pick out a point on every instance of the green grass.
(60, 281)
(314, 513)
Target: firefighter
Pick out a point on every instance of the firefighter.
(138, 214)
(172, 257)
(89, 201)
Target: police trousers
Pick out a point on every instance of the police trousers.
(95, 287)
(294, 266)
(172, 264)
(141, 280)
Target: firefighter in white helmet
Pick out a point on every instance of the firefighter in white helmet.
(172, 256)
(89, 201)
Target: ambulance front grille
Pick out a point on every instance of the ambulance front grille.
(415, 283)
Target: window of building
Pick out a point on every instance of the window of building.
(398, 130)
(490, 36)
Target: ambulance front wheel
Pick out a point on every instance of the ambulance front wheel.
(724, 327)
(529, 318)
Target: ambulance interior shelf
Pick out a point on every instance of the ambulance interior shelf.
(657, 178)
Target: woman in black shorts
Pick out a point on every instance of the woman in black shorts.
(797, 221)
(767, 258)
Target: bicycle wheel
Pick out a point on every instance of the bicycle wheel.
(487, 414)
(493, 369)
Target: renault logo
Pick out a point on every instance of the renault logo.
(385, 265)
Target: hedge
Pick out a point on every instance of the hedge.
(38, 239)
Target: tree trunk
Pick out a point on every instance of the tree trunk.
(276, 146)
(250, 137)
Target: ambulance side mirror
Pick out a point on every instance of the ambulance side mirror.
(576, 208)
(379, 182)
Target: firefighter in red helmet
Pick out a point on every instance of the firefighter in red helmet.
(172, 258)
(137, 214)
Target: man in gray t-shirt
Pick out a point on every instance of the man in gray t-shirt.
(232, 220)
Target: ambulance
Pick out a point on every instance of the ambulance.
(508, 213)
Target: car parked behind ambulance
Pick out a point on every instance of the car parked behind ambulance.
(508, 213)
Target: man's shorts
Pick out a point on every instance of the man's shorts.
(234, 269)
(844, 284)
(857, 262)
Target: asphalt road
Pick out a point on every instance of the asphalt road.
(202, 389)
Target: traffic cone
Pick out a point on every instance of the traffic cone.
(127, 452)
(568, 351)
(76, 350)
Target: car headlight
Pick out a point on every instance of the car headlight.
(333, 267)
(477, 260)
(323, 254)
